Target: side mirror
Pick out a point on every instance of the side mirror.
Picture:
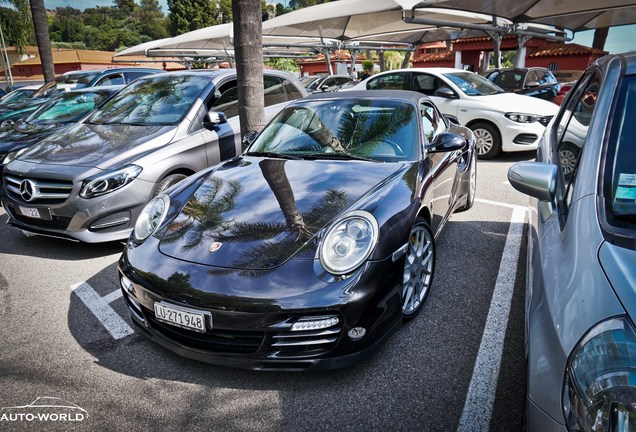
(452, 119)
(214, 118)
(532, 84)
(249, 138)
(325, 87)
(536, 179)
(447, 142)
(445, 92)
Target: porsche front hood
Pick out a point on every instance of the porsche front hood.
(257, 213)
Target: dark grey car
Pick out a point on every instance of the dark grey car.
(90, 182)
(581, 282)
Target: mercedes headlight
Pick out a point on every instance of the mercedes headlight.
(5, 159)
(349, 242)
(523, 118)
(151, 217)
(600, 381)
(109, 182)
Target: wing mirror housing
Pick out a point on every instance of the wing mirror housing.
(447, 142)
(213, 119)
(249, 138)
(536, 179)
(532, 84)
(445, 92)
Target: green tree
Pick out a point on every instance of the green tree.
(284, 64)
(126, 6)
(16, 23)
(151, 19)
(188, 15)
(225, 11)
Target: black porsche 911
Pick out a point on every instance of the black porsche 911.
(309, 249)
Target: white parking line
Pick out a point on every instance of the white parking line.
(483, 385)
(100, 307)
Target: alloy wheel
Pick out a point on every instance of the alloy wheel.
(418, 269)
(484, 141)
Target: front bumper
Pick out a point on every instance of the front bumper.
(520, 136)
(253, 330)
(105, 218)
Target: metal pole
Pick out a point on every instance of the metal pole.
(5, 60)
(354, 54)
(520, 55)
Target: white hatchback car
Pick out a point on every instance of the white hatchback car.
(501, 121)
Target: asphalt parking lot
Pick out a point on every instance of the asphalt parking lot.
(459, 365)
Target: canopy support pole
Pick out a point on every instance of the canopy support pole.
(327, 54)
(352, 70)
(496, 39)
(520, 55)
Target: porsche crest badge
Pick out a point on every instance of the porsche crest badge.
(215, 246)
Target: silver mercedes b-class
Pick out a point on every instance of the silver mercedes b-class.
(581, 282)
(90, 182)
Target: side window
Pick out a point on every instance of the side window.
(273, 90)
(117, 79)
(424, 83)
(131, 76)
(291, 90)
(432, 122)
(531, 77)
(226, 99)
(392, 81)
(572, 133)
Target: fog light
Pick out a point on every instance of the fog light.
(127, 284)
(357, 333)
(315, 323)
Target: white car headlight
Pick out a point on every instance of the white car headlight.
(151, 217)
(349, 242)
(600, 382)
(523, 118)
(12, 156)
(109, 182)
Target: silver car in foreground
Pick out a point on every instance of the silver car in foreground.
(90, 182)
(581, 282)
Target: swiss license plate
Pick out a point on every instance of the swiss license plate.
(30, 212)
(178, 316)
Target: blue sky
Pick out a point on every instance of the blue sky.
(620, 39)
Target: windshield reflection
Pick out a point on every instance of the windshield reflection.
(472, 84)
(67, 108)
(382, 130)
(156, 100)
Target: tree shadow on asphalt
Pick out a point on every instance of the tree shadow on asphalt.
(15, 242)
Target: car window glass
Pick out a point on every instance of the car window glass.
(131, 76)
(274, 91)
(161, 99)
(291, 90)
(226, 99)
(619, 189)
(432, 122)
(392, 81)
(117, 79)
(575, 124)
(424, 83)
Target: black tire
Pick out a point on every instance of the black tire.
(472, 187)
(487, 140)
(168, 181)
(419, 268)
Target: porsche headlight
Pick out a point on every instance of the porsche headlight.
(109, 182)
(349, 242)
(600, 383)
(151, 217)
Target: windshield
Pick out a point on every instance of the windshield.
(67, 107)
(16, 96)
(72, 81)
(472, 84)
(620, 169)
(306, 81)
(152, 100)
(383, 130)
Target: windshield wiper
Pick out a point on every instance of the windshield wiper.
(339, 156)
(273, 155)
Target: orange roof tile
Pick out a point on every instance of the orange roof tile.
(62, 56)
(435, 57)
(571, 49)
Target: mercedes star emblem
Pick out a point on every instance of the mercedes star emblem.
(27, 190)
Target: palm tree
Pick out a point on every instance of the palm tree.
(248, 48)
(41, 26)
